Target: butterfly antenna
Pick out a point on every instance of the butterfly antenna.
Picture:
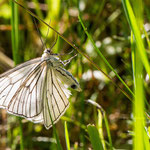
(44, 45)
(47, 36)
(54, 42)
(47, 33)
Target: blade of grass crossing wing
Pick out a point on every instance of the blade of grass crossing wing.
(59, 147)
(15, 48)
(76, 48)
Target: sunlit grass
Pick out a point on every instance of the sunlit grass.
(78, 30)
(15, 49)
(139, 59)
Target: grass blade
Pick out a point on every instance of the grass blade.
(101, 112)
(108, 131)
(15, 49)
(100, 128)
(15, 32)
(76, 48)
(94, 137)
(104, 59)
(139, 120)
(136, 31)
(101, 55)
(140, 138)
(59, 147)
(67, 137)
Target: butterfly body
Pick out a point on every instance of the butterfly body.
(36, 89)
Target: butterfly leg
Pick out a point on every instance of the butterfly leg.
(66, 53)
(66, 62)
(55, 54)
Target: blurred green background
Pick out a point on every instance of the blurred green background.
(107, 24)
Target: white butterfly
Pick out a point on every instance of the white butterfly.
(35, 89)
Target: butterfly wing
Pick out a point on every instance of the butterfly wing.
(34, 90)
(21, 89)
(67, 78)
(55, 99)
(11, 80)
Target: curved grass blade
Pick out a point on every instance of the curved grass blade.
(76, 48)
(137, 35)
(103, 58)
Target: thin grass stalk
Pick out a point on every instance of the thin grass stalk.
(108, 131)
(15, 49)
(67, 136)
(76, 48)
(59, 147)
(14, 32)
(103, 58)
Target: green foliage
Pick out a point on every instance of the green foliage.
(15, 48)
(67, 136)
(112, 68)
(94, 137)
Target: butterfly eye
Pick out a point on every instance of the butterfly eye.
(47, 51)
(73, 86)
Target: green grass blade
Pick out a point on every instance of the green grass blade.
(108, 131)
(67, 137)
(76, 48)
(103, 58)
(100, 128)
(59, 147)
(15, 49)
(21, 134)
(140, 137)
(15, 32)
(101, 112)
(139, 120)
(136, 31)
(94, 137)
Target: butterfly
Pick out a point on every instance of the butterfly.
(36, 89)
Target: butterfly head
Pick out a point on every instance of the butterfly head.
(47, 51)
